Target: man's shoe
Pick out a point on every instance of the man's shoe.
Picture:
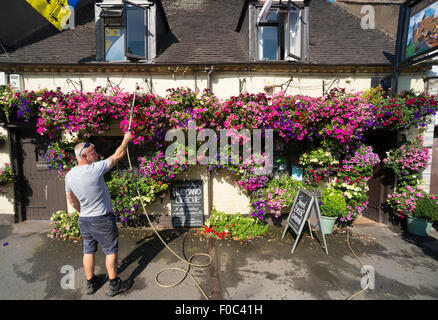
(118, 287)
(92, 287)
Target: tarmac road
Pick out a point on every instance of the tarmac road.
(33, 266)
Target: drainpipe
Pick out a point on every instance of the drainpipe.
(210, 184)
(209, 78)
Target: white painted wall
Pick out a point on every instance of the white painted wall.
(226, 196)
(224, 84)
(6, 199)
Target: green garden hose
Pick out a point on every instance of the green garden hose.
(369, 279)
(187, 262)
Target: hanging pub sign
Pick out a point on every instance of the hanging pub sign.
(187, 204)
(304, 208)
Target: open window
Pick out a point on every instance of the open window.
(294, 33)
(268, 33)
(280, 34)
(136, 31)
(114, 33)
(124, 32)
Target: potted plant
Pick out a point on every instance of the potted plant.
(332, 205)
(425, 213)
(3, 138)
(6, 174)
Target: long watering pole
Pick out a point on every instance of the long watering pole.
(188, 262)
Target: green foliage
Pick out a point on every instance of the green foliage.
(60, 157)
(6, 174)
(123, 185)
(374, 95)
(426, 208)
(8, 98)
(64, 225)
(320, 162)
(279, 193)
(333, 204)
(222, 225)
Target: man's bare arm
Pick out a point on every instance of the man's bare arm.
(121, 150)
(73, 201)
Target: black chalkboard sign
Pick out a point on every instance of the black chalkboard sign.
(304, 204)
(299, 211)
(187, 204)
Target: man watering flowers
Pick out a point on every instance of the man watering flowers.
(88, 194)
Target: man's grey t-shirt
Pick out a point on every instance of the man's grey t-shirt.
(89, 187)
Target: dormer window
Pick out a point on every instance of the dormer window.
(136, 31)
(129, 30)
(114, 34)
(268, 33)
(282, 34)
(295, 33)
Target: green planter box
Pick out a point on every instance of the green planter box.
(419, 227)
(327, 224)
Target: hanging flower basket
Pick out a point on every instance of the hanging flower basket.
(6, 174)
(3, 138)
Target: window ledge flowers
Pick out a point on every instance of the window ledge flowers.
(6, 174)
(334, 126)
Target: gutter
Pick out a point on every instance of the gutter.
(209, 87)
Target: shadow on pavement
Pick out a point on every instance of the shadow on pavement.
(148, 250)
(429, 244)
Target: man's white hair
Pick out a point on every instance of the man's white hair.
(78, 148)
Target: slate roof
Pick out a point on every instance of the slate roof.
(204, 31)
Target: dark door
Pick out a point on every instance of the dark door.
(382, 181)
(38, 190)
(434, 168)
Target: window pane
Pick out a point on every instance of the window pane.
(272, 16)
(295, 32)
(135, 30)
(114, 44)
(268, 43)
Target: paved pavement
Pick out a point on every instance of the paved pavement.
(33, 266)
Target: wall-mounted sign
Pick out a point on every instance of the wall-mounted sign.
(423, 28)
(187, 203)
(305, 203)
(16, 81)
(297, 173)
(280, 166)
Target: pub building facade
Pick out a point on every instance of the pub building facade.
(300, 47)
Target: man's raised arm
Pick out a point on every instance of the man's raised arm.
(121, 150)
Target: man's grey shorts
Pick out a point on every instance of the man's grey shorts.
(101, 229)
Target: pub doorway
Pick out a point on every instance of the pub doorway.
(38, 191)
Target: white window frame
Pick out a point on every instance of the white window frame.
(277, 25)
(145, 22)
(107, 14)
(297, 52)
(283, 33)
